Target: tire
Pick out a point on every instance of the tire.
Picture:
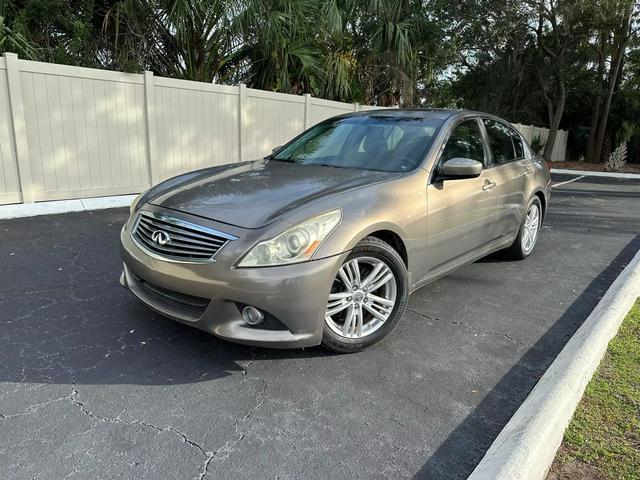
(522, 246)
(343, 330)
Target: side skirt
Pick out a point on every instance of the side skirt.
(493, 247)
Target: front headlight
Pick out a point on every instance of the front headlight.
(296, 244)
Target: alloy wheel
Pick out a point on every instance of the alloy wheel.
(530, 228)
(362, 298)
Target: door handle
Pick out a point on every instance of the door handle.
(488, 185)
(527, 171)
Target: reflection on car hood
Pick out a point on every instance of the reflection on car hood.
(254, 194)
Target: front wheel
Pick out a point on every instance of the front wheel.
(368, 297)
(529, 232)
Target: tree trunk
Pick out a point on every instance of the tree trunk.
(555, 116)
(597, 101)
(590, 156)
(621, 39)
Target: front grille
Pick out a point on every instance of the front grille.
(177, 239)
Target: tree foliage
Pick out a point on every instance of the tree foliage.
(571, 64)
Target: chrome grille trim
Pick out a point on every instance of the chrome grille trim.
(189, 242)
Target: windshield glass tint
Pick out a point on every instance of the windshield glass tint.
(387, 143)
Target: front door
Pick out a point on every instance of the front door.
(461, 211)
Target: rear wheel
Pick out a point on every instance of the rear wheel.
(368, 297)
(528, 235)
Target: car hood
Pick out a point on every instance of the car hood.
(254, 194)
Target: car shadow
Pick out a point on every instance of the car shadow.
(64, 318)
(133, 346)
(458, 455)
(495, 257)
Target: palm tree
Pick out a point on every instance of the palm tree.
(189, 39)
(14, 41)
(369, 49)
(349, 50)
(280, 47)
(389, 60)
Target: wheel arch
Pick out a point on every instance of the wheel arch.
(543, 201)
(392, 238)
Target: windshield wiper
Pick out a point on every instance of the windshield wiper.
(326, 165)
(287, 159)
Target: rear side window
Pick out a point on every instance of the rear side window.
(500, 141)
(517, 144)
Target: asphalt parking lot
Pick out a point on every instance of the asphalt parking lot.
(94, 385)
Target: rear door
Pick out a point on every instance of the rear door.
(461, 211)
(511, 170)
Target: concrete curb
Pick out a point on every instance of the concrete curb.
(587, 173)
(64, 206)
(526, 446)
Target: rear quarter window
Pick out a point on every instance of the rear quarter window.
(517, 144)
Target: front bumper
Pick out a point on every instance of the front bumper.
(294, 295)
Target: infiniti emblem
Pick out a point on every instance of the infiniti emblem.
(160, 237)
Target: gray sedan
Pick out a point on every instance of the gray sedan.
(324, 240)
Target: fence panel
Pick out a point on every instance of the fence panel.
(529, 132)
(9, 180)
(268, 120)
(85, 131)
(365, 108)
(196, 126)
(70, 132)
(322, 109)
(560, 148)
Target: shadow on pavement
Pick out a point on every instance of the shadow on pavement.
(458, 455)
(64, 318)
(144, 349)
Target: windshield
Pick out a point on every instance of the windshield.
(386, 143)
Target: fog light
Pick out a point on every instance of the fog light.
(252, 315)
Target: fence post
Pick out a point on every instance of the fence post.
(242, 93)
(307, 110)
(150, 124)
(19, 124)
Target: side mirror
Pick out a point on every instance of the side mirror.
(275, 150)
(461, 168)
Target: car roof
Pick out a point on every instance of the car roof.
(434, 113)
(439, 113)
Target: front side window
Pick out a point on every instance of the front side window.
(465, 142)
(376, 142)
(501, 142)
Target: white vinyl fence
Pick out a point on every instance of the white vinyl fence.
(530, 132)
(70, 132)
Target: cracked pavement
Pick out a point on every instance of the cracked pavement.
(95, 385)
